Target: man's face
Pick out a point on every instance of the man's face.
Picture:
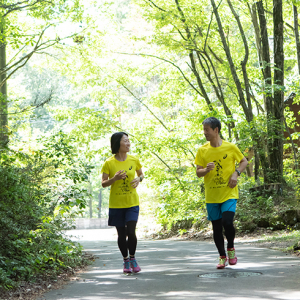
(210, 133)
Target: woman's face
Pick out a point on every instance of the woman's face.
(124, 144)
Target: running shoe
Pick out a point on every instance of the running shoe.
(222, 262)
(126, 266)
(134, 265)
(231, 256)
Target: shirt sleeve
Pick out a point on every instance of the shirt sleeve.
(138, 164)
(199, 160)
(105, 168)
(238, 155)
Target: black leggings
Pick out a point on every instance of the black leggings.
(227, 223)
(130, 243)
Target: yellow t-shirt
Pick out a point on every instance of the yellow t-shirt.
(216, 181)
(122, 195)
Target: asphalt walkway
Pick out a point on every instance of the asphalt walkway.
(177, 270)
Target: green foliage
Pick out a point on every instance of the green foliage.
(139, 79)
(38, 195)
(265, 206)
(296, 2)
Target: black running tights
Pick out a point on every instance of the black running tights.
(227, 223)
(127, 239)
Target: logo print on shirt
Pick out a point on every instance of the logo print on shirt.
(130, 168)
(224, 156)
(218, 177)
(124, 187)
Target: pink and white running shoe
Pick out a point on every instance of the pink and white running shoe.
(134, 265)
(126, 266)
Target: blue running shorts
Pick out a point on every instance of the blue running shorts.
(119, 217)
(215, 210)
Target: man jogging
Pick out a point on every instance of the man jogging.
(215, 162)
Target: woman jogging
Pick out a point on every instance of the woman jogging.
(119, 172)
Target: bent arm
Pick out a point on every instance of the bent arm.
(106, 181)
(201, 172)
(135, 182)
(233, 179)
(140, 173)
(243, 164)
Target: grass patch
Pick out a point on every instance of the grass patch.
(282, 235)
(286, 241)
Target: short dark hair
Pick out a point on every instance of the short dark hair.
(213, 123)
(115, 141)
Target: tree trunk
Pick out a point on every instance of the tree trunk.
(253, 13)
(296, 29)
(266, 63)
(91, 200)
(249, 116)
(3, 88)
(244, 61)
(276, 157)
(100, 203)
(216, 86)
(199, 82)
(247, 107)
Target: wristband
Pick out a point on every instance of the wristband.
(238, 172)
(141, 178)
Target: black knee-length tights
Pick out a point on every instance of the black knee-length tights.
(227, 223)
(129, 243)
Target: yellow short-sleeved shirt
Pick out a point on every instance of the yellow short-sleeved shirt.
(216, 181)
(122, 195)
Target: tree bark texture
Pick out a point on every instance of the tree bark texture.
(266, 61)
(254, 19)
(3, 88)
(276, 156)
(266, 70)
(296, 30)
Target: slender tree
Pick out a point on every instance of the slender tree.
(3, 87)
(296, 30)
(276, 155)
(40, 9)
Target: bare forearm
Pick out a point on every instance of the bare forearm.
(202, 172)
(243, 164)
(109, 182)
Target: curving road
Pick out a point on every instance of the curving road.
(178, 270)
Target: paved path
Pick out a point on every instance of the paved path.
(177, 270)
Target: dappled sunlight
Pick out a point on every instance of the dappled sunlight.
(176, 270)
(108, 234)
(254, 265)
(163, 249)
(74, 72)
(96, 251)
(106, 283)
(179, 295)
(102, 272)
(285, 295)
